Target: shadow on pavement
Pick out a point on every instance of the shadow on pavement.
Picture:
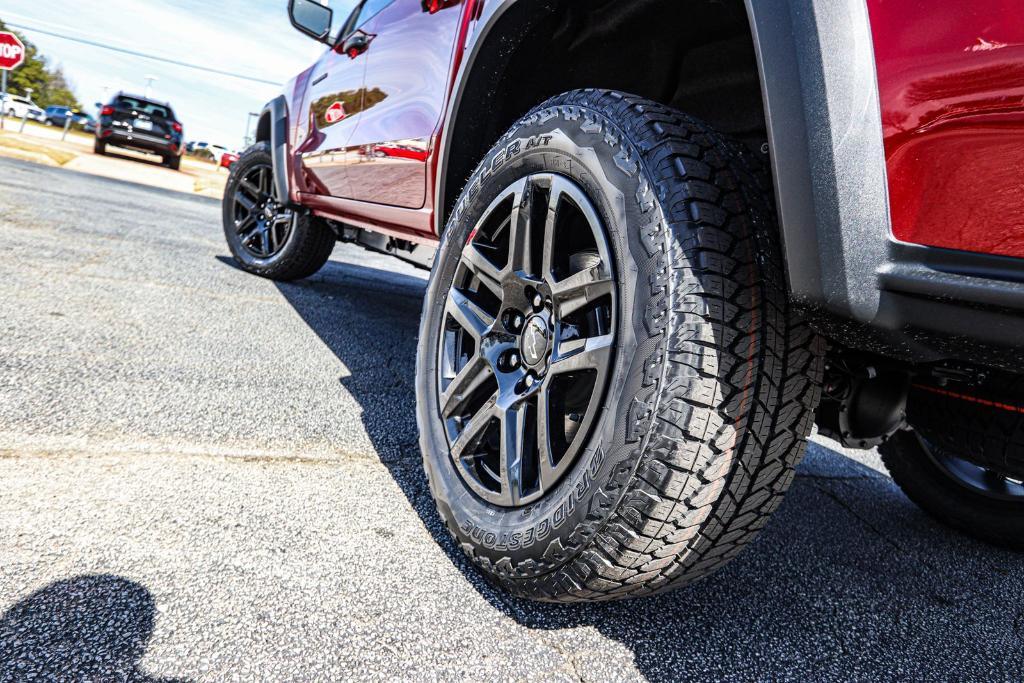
(849, 581)
(91, 627)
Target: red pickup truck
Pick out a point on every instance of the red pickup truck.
(665, 239)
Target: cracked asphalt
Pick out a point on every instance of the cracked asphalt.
(207, 476)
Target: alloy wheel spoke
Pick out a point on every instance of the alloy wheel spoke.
(547, 466)
(576, 291)
(465, 383)
(245, 224)
(474, 429)
(253, 190)
(246, 203)
(520, 229)
(513, 446)
(273, 236)
(475, 320)
(589, 353)
(482, 268)
(249, 238)
(550, 220)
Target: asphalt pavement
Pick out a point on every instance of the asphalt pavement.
(207, 476)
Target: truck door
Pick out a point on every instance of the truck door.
(408, 69)
(331, 107)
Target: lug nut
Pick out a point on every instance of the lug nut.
(529, 381)
(538, 300)
(513, 359)
(517, 321)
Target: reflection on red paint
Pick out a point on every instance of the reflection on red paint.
(401, 152)
(951, 81)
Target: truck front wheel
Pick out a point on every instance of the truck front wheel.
(613, 389)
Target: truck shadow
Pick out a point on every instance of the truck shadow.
(848, 577)
(92, 627)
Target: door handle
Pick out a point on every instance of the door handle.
(319, 78)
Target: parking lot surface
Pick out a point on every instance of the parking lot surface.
(210, 476)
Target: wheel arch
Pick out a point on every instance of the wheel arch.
(806, 87)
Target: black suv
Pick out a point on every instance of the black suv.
(139, 123)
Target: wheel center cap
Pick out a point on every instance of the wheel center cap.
(534, 341)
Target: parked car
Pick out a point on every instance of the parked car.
(18, 106)
(657, 267)
(86, 122)
(138, 123)
(218, 154)
(57, 115)
(227, 159)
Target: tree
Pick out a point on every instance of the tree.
(49, 85)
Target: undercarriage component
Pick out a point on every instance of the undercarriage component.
(419, 255)
(862, 403)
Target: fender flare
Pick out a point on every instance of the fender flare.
(274, 120)
(821, 107)
(819, 85)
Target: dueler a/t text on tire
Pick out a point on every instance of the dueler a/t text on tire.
(612, 387)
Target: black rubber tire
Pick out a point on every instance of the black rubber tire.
(982, 424)
(308, 246)
(1000, 522)
(714, 382)
(99, 147)
(173, 162)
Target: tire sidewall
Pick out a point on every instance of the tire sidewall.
(586, 147)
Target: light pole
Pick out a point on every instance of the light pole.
(149, 83)
(248, 124)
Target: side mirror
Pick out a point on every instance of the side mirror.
(311, 18)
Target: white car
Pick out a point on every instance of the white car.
(17, 106)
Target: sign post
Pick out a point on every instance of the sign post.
(12, 54)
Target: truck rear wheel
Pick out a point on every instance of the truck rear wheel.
(266, 237)
(964, 462)
(612, 387)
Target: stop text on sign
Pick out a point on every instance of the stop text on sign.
(12, 52)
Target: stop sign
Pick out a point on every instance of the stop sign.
(12, 51)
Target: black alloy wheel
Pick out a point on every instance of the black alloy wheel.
(267, 237)
(975, 478)
(527, 340)
(262, 225)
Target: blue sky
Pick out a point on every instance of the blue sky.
(251, 37)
